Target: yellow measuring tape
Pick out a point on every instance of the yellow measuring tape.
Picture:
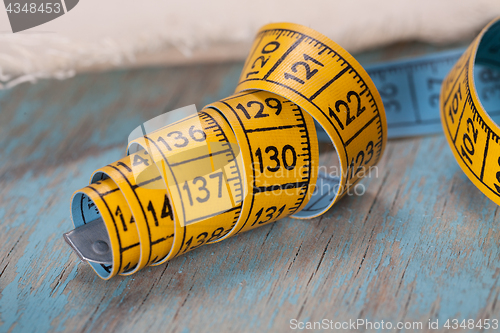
(253, 158)
(471, 133)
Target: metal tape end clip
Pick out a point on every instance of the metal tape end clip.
(91, 242)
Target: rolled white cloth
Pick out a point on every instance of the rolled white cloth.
(106, 34)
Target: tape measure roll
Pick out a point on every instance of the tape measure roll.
(241, 162)
(252, 158)
(470, 131)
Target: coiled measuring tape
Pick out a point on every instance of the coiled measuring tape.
(470, 131)
(253, 158)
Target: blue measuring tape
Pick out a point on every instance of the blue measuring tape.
(410, 92)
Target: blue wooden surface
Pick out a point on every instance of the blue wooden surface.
(422, 242)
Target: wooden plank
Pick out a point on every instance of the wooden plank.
(422, 242)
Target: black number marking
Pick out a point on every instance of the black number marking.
(261, 114)
(192, 132)
(218, 175)
(179, 136)
(186, 188)
(284, 155)
(152, 210)
(360, 109)
(258, 153)
(119, 213)
(263, 61)
(162, 140)
(468, 146)
(498, 177)
(216, 234)
(138, 160)
(277, 106)
(347, 110)
(270, 47)
(201, 241)
(360, 160)
(203, 187)
(280, 211)
(388, 92)
(271, 210)
(453, 109)
(166, 211)
(309, 73)
(369, 150)
(274, 157)
(188, 244)
(245, 112)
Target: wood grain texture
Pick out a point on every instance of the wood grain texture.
(422, 242)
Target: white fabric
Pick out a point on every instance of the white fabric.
(104, 34)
